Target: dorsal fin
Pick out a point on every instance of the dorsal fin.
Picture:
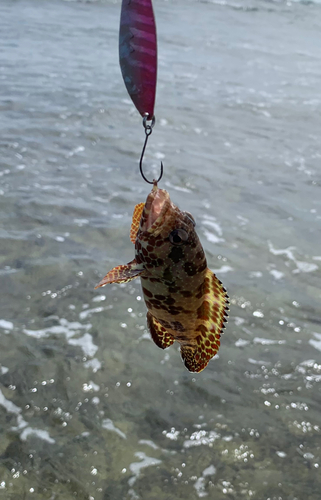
(211, 315)
(138, 210)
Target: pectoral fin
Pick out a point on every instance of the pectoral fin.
(159, 334)
(138, 210)
(122, 274)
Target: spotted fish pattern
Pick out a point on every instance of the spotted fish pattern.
(186, 302)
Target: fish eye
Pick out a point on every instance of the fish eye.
(178, 236)
(191, 218)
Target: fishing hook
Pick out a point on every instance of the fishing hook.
(148, 130)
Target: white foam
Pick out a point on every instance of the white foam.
(223, 269)
(69, 329)
(286, 251)
(21, 423)
(199, 485)
(99, 298)
(89, 312)
(41, 434)
(6, 325)
(94, 363)
(214, 225)
(109, 425)
(241, 343)
(136, 467)
(305, 267)
(95, 387)
(256, 274)
(148, 442)
(316, 343)
(133, 494)
(302, 266)
(209, 471)
(178, 188)
(262, 341)
(243, 220)
(7, 270)
(258, 362)
(211, 237)
(277, 274)
(159, 156)
(86, 343)
(9, 405)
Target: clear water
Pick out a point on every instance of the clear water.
(90, 408)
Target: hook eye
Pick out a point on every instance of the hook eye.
(147, 119)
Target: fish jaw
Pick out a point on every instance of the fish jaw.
(172, 264)
(156, 206)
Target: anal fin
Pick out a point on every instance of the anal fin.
(159, 334)
(122, 274)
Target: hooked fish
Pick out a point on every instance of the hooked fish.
(186, 302)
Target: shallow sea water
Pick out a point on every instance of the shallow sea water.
(90, 408)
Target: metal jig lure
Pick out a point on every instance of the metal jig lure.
(138, 62)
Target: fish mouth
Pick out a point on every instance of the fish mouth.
(156, 206)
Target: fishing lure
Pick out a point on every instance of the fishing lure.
(138, 53)
(186, 302)
(138, 62)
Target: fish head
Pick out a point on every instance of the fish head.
(167, 245)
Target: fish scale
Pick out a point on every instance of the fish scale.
(186, 302)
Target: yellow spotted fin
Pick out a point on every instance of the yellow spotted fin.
(138, 210)
(211, 317)
(159, 334)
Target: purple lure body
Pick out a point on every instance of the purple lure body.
(138, 53)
